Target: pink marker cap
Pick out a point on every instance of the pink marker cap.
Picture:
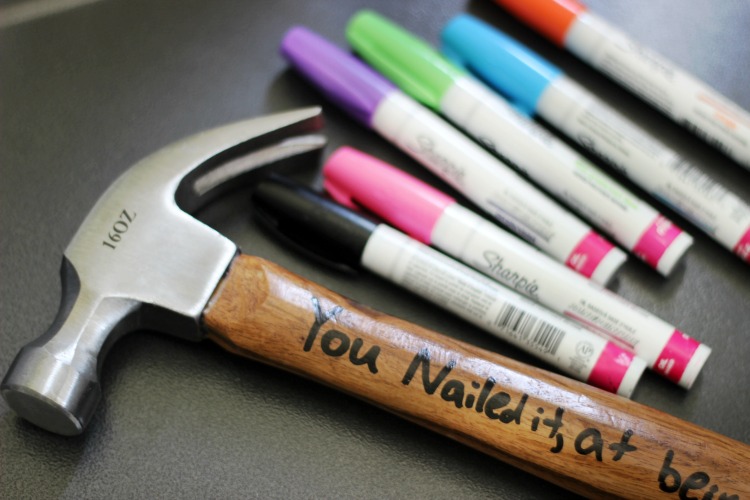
(742, 248)
(662, 245)
(356, 179)
(596, 258)
(681, 359)
(617, 370)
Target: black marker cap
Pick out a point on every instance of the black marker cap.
(315, 225)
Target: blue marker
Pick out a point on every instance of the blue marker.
(420, 71)
(537, 87)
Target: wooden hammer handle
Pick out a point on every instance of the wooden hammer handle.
(583, 439)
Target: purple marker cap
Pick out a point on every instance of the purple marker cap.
(343, 79)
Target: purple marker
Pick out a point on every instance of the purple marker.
(477, 174)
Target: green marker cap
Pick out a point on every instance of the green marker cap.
(409, 62)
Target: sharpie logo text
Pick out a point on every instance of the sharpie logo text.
(426, 148)
(496, 268)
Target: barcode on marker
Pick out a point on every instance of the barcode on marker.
(702, 182)
(714, 141)
(529, 329)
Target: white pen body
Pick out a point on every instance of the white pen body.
(487, 248)
(563, 172)
(649, 163)
(492, 307)
(679, 95)
(486, 181)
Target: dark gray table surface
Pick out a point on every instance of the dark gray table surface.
(86, 92)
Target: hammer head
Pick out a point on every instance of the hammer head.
(140, 260)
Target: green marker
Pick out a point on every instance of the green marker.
(424, 74)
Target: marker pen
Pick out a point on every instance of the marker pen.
(335, 234)
(459, 161)
(679, 95)
(424, 74)
(356, 179)
(536, 86)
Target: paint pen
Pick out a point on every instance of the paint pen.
(356, 179)
(425, 75)
(536, 86)
(459, 161)
(679, 95)
(337, 235)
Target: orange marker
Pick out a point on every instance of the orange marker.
(679, 95)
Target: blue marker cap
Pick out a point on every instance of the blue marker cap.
(510, 68)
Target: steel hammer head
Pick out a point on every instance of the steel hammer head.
(139, 260)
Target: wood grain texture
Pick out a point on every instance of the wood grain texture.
(591, 442)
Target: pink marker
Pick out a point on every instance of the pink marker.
(356, 179)
(449, 154)
(357, 242)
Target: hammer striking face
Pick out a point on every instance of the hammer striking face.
(140, 261)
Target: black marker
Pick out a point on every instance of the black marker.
(341, 237)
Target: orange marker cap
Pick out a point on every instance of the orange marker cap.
(552, 18)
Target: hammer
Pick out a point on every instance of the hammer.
(139, 260)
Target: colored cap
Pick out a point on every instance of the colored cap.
(509, 67)
(409, 62)
(551, 18)
(617, 370)
(662, 245)
(343, 79)
(356, 179)
(694, 366)
(314, 225)
(681, 359)
(742, 247)
(596, 258)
